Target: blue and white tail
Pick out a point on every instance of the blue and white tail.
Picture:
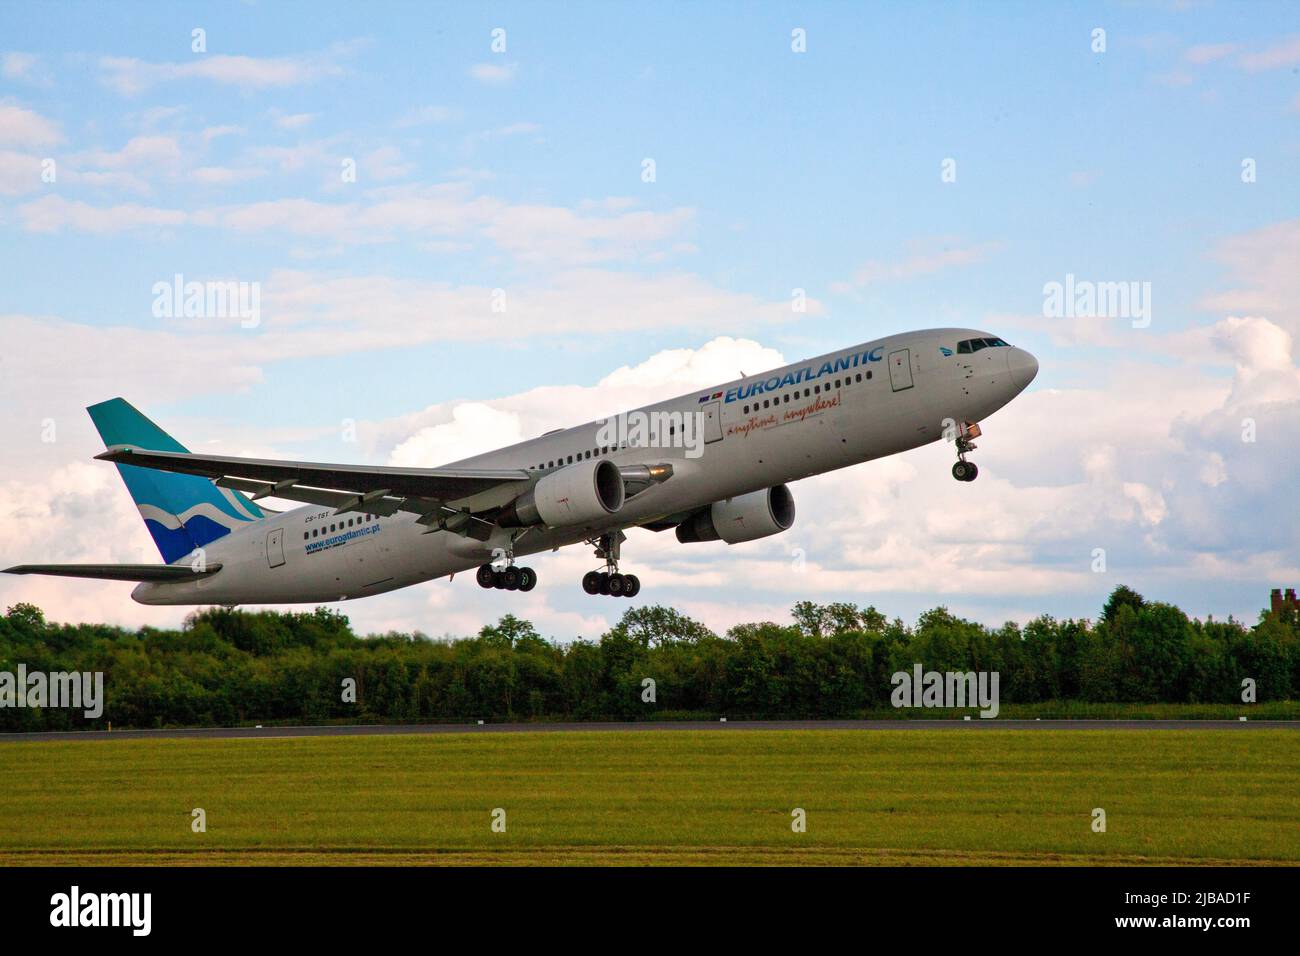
(182, 512)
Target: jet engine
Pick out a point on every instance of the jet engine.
(744, 518)
(582, 493)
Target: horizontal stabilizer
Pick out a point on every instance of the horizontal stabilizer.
(118, 572)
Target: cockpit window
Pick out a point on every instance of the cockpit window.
(974, 345)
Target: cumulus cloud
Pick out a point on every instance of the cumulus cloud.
(22, 127)
(1161, 481)
(1261, 270)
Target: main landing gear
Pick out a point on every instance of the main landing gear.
(962, 469)
(610, 581)
(509, 578)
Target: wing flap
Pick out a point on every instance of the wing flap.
(118, 572)
(312, 496)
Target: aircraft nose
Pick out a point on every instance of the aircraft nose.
(1022, 365)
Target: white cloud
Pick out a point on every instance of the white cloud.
(1285, 53)
(921, 258)
(225, 175)
(493, 74)
(380, 311)
(129, 76)
(294, 120)
(474, 428)
(216, 132)
(52, 214)
(385, 163)
(533, 234)
(20, 173)
(22, 127)
(1204, 53)
(425, 115)
(23, 67)
(1063, 471)
(141, 153)
(1261, 266)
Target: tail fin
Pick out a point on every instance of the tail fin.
(182, 512)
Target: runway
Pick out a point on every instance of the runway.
(973, 725)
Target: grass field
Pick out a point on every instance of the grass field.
(932, 797)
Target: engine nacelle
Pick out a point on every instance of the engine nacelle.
(755, 515)
(582, 493)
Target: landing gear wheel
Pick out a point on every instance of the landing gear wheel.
(631, 585)
(527, 579)
(604, 582)
(510, 578)
(617, 584)
(962, 469)
(485, 576)
(974, 471)
(591, 582)
(498, 581)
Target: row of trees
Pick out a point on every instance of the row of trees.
(229, 667)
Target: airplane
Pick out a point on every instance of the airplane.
(713, 465)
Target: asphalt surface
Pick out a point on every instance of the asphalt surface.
(376, 730)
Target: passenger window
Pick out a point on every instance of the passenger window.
(304, 536)
(868, 373)
(837, 383)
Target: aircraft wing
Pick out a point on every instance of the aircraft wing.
(118, 572)
(359, 481)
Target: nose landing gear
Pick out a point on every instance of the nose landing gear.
(962, 469)
(610, 581)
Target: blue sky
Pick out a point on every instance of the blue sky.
(521, 170)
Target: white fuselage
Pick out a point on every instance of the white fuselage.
(814, 421)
